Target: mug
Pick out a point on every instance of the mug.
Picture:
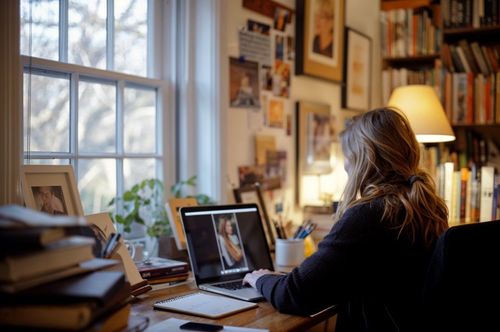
(289, 252)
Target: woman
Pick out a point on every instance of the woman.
(323, 28)
(373, 261)
(229, 243)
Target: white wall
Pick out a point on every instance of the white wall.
(243, 124)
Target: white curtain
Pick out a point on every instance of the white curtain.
(10, 103)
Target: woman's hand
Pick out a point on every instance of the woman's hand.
(251, 278)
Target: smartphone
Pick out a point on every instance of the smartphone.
(194, 326)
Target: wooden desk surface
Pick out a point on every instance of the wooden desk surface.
(263, 317)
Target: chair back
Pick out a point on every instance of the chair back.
(462, 288)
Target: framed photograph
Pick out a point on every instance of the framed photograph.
(356, 91)
(315, 135)
(243, 83)
(253, 194)
(320, 38)
(51, 189)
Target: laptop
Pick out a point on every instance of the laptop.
(224, 243)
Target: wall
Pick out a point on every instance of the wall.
(243, 124)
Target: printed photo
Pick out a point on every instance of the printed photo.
(276, 113)
(320, 138)
(258, 27)
(50, 199)
(266, 78)
(230, 245)
(244, 83)
(249, 175)
(281, 16)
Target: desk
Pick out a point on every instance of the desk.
(263, 317)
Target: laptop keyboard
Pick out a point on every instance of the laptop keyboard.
(232, 285)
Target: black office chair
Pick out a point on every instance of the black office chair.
(462, 289)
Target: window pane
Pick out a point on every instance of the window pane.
(96, 183)
(87, 33)
(139, 120)
(131, 29)
(46, 113)
(40, 28)
(136, 170)
(96, 117)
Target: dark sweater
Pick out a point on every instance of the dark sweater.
(361, 265)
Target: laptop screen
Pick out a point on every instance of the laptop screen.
(225, 241)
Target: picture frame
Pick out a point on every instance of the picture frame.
(320, 38)
(315, 134)
(356, 90)
(253, 194)
(51, 189)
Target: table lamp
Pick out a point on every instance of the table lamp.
(423, 109)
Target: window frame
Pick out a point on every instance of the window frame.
(159, 63)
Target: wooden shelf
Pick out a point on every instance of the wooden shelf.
(474, 33)
(411, 61)
(397, 4)
(487, 131)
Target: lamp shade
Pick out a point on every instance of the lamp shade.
(423, 109)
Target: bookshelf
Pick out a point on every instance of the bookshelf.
(460, 58)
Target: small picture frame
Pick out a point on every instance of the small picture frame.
(51, 189)
(356, 90)
(253, 194)
(320, 38)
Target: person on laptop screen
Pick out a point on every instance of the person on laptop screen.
(229, 242)
(372, 264)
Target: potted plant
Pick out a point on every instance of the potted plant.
(144, 204)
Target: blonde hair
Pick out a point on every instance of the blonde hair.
(383, 157)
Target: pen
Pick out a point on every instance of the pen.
(111, 245)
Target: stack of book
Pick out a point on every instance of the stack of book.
(51, 279)
(158, 270)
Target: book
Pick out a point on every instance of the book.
(204, 305)
(64, 316)
(14, 240)
(98, 286)
(83, 267)
(170, 279)
(161, 267)
(115, 321)
(19, 216)
(172, 207)
(61, 254)
(486, 193)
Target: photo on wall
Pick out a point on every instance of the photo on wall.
(356, 90)
(320, 39)
(243, 83)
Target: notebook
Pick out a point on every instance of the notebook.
(224, 243)
(205, 305)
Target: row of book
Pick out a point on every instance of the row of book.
(470, 13)
(472, 57)
(396, 77)
(409, 32)
(51, 277)
(472, 99)
(471, 194)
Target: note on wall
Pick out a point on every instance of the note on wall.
(255, 47)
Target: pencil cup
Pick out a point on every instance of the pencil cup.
(289, 252)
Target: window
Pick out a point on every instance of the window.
(90, 98)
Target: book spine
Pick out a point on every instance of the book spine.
(166, 271)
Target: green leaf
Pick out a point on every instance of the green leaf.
(135, 189)
(128, 196)
(111, 202)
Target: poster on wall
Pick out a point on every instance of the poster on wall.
(243, 83)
